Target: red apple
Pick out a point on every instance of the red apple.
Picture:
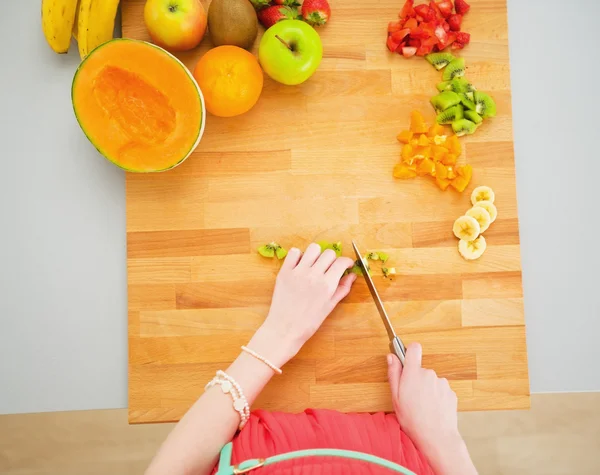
(175, 25)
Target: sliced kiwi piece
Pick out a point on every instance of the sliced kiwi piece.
(463, 127)
(466, 101)
(444, 86)
(334, 246)
(455, 69)
(484, 104)
(473, 117)
(439, 60)
(388, 271)
(445, 100)
(383, 257)
(280, 252)
(266, 251)
(450, 115)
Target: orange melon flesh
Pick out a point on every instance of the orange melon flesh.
(138, 105)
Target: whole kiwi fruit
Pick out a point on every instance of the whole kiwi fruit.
(232, 22)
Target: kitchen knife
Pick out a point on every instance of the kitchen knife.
(396, 345)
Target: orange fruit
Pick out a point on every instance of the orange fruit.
(230, 79)
(417, 123)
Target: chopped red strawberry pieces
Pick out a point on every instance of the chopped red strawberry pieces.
(409, 51)
(463, 38)
(428, 27)
(454, 21)
(445, 8)
(461, 6)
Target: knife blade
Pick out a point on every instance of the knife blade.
(396, 345)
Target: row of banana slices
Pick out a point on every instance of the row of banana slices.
(470, 227)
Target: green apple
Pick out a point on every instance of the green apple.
(290, 51)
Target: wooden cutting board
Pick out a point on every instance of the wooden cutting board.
(314, 162)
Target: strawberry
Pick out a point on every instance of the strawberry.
(454, 21)
(399, 35)
(414, 42)
(316, 12)
(445, 8)
(457, 45)
(463, 38)
(409, 51)
(411, 23)
(445, 25)
(442, 36)
(394, 26)
(391, 44)
(461, 6)
(271, 15)
(425, 12)
(287, 3)
(424, 50)
(419, 33)
(260, 4)
(436, 9)
(408, 10)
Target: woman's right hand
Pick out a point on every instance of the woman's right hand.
(426, 408)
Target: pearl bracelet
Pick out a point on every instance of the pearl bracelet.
(263, 359)
(230, 386)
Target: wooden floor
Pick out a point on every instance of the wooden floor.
(559, 435)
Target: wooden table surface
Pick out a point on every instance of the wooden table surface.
(314, 162)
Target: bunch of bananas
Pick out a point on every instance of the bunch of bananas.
(91, 22)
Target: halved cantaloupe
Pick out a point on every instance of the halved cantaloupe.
(139, 105)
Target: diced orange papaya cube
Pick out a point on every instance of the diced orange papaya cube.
(426, 167)
(423, 141)
(417, 123)
(441, 171)
(414, 142)
(407, 152)
(422, 152)
(438, 152)
(402, 170)
(461, 181)
(449, 159)
(451, 173)
(405, 136)
(440, 139)
(437, 129)
(442, 183)
(453, 144)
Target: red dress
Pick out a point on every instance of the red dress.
(273, 433)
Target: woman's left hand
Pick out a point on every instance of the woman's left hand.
(307, 289)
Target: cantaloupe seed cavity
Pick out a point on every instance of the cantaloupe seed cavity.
(142, 112)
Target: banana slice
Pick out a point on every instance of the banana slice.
(482, 216)
(489, 207)
(483, 193)
(471, 250)
(466, 227)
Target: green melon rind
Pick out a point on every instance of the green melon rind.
(200, 96)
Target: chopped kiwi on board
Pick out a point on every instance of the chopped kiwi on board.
(272, 250)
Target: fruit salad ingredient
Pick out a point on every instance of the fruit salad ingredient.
(455, 69)
(272, 250)
(434, 153)
(58, 18)
(271, 15)
(387, 272)
(144, 116)
(177, 25)
(258, 4)
(482, 216)
(462, 7)
(482, 193)
(231, 80)
(316, 12)
(334, 246)
(95, 24)
(445, 100)
(439, 60)
(473, 117)
(463, 127)
(484, 104)
(417, 123)
(489, 207)
(466, 228)
(429, 29)
(450, 115)
(471, 250)
(232, 22)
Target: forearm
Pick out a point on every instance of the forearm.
(194, 444)
(451, 458)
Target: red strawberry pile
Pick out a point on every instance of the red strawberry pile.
(313, 12)
(428, 27)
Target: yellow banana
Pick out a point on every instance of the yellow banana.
(95, 23)
(58, 17)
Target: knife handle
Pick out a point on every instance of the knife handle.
(397, 347)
